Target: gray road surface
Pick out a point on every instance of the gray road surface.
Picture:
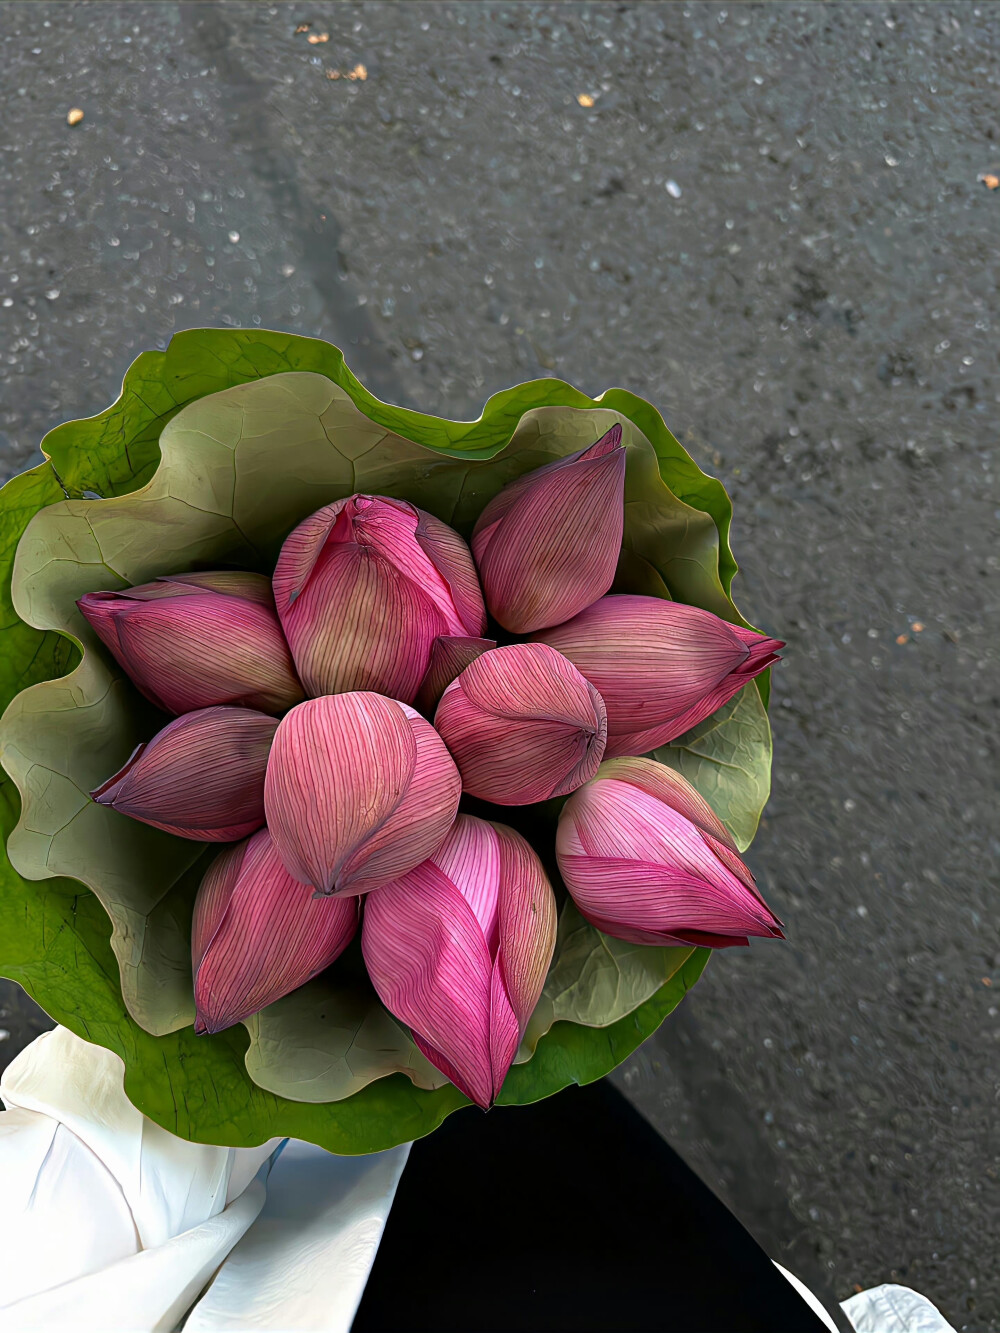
(769, 223)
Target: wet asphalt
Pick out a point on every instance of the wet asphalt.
(769, 223)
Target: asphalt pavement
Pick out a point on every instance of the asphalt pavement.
(767, 219)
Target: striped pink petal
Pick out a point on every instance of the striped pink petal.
(548, 545)
(201, 777)
(523, 725)
(458, 949)
(428, 961)
(259, 934)
(641, 870)
(363, 589)
(188, 645)
(450, 655)
(358, 790)
(661, 667)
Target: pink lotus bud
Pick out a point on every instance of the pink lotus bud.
(258, 934)
(523, 725)
(548, 544)
(359, 789)
(363, 589)
(645, 859)
(661, 667)
(194, 640)
(459, 948)
(450, 655)
(200, 777)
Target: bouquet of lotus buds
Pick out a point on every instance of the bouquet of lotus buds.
(410, 761)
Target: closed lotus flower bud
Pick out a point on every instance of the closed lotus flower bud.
(548, 544)
(661, 667)
(646, 860)
(200, 777)
(194, 640)
(365, 586)
(459, 948)
(259, 934)
(359, 789)
(522, 725)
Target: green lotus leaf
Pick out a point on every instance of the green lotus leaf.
(222, 481)
(328, 1040)
(728, 758)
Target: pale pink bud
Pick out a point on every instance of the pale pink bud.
(646, 860)
(200, 777)
(450, 655)
(523, 725)
(259, 934)
(365, 586)
(548, 544)
(193, 640)
(661, 667)
(459, 948)
(359, 789)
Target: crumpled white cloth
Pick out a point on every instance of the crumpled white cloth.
(108, 1222)
(894, 1309)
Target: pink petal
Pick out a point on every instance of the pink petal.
(505, 1031)
(667, 785)
(470, 858)
(429, 963)
(232, 582)
(450, 655)
(450, 555)
(420, 821)
(271, 937)
(661, 667)
(338, 768)
(201, 777)
(527, 926)
(552, 548)
(185, 647)
(523, 725)
(663, 903)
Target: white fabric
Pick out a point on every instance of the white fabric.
(305, 1262)
(109, 1224)
(894, 1309)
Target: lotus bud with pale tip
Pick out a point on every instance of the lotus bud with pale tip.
(201, 777)
(259, 934)
(523, 725)
(661, 667)
(458, 950)
(359, 789)
(195, 640)
(645, 859)
(548, 544)
(365, 586)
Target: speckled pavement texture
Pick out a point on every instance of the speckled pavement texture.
(769, 223)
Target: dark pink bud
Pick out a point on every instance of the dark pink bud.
(646, 860)
(259, 934)
(548, 544)
(522, 725)
(365, 586)
(200, 777)
(661, 667)
(459, 948)
(194, 640)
